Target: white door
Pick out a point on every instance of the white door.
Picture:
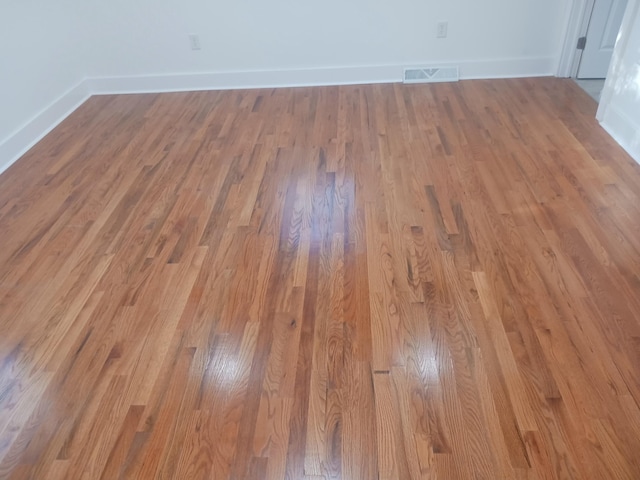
(604, 26)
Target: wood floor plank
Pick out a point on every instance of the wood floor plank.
(372, 281)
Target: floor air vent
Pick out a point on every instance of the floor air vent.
(431, 75)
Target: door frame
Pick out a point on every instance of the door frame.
(616, 72)
(577, 25)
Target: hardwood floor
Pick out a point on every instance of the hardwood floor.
(360, 282)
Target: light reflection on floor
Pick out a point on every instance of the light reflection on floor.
(592, 86)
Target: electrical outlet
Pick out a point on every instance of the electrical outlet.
(194, 41)
(442, 29)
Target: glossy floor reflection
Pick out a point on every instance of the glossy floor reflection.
(592, 86)
(382, 281)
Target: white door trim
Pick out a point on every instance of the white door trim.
(620, 126)
(632, 12)
(577, 25)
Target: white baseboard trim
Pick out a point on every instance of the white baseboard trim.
(17, 144)
(184, 82)
(13, 147)
(507, 68)
(623, 130)
(477, 69)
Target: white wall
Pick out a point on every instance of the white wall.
(41, 60)
(488, 38)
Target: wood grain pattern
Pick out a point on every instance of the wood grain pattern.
(384, 281)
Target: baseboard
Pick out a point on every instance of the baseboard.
(242, 80)
(16, 145)
(624, 130)
(507, 68)
(502, 68)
